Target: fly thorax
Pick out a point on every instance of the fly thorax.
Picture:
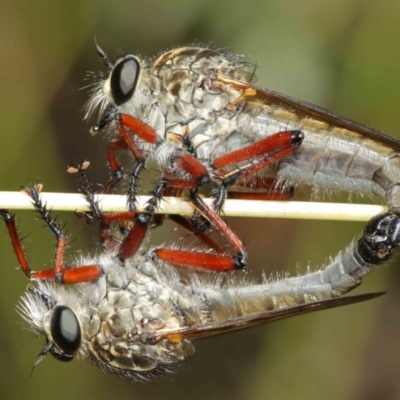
(130, 317)
(126, 339)
(194, 101)
(180, 93)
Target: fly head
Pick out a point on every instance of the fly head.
(58, 323)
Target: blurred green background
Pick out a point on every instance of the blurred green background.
(342, 55)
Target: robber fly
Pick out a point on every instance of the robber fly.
(137, 317)
(197, 112)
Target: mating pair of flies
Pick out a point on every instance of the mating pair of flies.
(197, 113)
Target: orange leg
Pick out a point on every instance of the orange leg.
(196, 260)
(263, 153)
(198, 175)
(59, 273)
(257, 155)
(128, 127)
(139, 223)
(115, 166)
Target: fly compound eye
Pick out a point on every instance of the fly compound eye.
(60, 356)
(66, 333)
(124, 78)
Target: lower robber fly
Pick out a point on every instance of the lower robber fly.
(198, 114)
(138, 318)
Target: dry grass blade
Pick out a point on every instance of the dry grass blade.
(232, 208)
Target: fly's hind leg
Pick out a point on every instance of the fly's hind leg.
(251, 159)
(59, 273)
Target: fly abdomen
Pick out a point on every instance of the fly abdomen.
(340, 159)
(377, 244)
(388, 177)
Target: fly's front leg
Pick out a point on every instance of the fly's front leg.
(114, 164)
(59, 273)
(258, 156)
(128, 128)
(126, 125)
(117, 171)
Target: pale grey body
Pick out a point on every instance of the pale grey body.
(138, 320)
(203, 92)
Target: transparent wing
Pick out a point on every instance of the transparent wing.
(234, 324)
(306, 110)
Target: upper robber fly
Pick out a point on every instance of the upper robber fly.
(129, 88)
(196, 111)
(203, 102)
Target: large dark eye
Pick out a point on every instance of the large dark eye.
(65, 332)
(60, 356)
(124, 78)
